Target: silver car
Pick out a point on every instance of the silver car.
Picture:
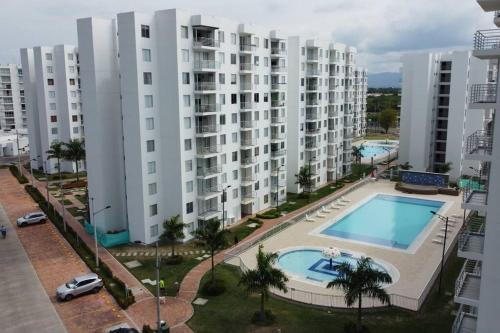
(79, 285)
(36, 217)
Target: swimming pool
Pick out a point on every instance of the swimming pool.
(387, 220)
(372, 151)
(310, 264)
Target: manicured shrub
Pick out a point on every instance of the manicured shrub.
(213, 289)
(174, 260)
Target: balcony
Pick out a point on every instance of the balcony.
(207, 129)
(312, 72)
(246, 86)
(466, 320)
(277, 104)
(487, 44)
(208, 171)
(312, 115)
(483, 96)
(278, 86)
(312, 58)
(312, 86)
(246, 124)
(468, 283)
(278, 120)
(248, 143)
(247, 180)
(208, 150)
(496, 17)
(278, 153)
(247, 48)
(206, 65)
(206, 108)
(312, 130)
(312, 102)
(312, 145)
(471, 239)
(278, 136)
(210, 212)
(475, 200)
(209, 190)
(205, 87)
(489, 5)
(479, 146)
(278, 52)
(246, 67)
(246, 105)
(278, 69)
(205, 42)
(248, 197)
(248, 161)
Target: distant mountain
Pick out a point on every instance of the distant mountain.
(384, 80)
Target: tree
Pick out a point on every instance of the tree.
(264, 276)
(361, 281)
(213, 238)
(74, 151)
(357, 153)
(387, 119)
(406, 166)
(174, 231)
(444, 168)
(56, 151)
(303, 178)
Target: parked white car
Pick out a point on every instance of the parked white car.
(79, 285)
(31, 218)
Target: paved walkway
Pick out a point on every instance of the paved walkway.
(24, 304)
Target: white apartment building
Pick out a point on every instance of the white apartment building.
(179, 109)
(52, 87)
(360, 91)
(434, 113)
(12, 105)
(322, 90)
(477, 287)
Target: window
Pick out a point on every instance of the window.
(144, 31)
(256, 97)
(153, 210)
(234, 99)
(151, 167)
(188, 165)
(233, 78)
(235, 174)
(222, 78)
(233, 59)
(48, 56)
(222, 99)
(50, 82)
(52, 106)
(71, 82)
(221, 36)
(73, 106)
(153, 230)
(150, 146)
(50, 69)
(222, 58)
(74, 118)
(256, 79)
(222, 119)
(234, 137)
(235, 193)
(148, 78)
(224, 178)
(189, 186)
(187, 122)
(150, 123)
(76, 130)
(266, 99)
(185, 55)
(185, 78)
(52, 94)
(234, 156)
(223, 139)
(189, 207)
(266, 61)
(256, 41)
(71, 69)
(234, 118)
(70, 56)
(233, 39)
(256, 60)
(73, 93)
(187, 144)
(187, 100)
(266, 79)
(223, 158)
(146, 55)
(266, 43)
(148, 101)
(53, 130)
(184, 32)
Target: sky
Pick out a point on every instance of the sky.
(381, 30)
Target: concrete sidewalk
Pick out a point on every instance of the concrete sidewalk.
(24, 305)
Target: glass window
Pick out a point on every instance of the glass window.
(153, 230)
(148, 101)
(150, 146)
(187, 144)
(73, 106)
(189, 186)
(188, 165)
(187, 122)
(50, 69)
(187, 100)
(70, 56)
(233, 59)
(146, 55)
(144, 31)
(233, 39)
(48, 56)
(50, 82)
(150, 123)
(53, 130)
(71, 69)
(76, 130)
(235, 193)
(234, 137)
(189, 207)
(148, 78)
(52, 106)
(151, 167)
(52, 94)
(185, 78)
(152, 188)
(184, 32)
(153, 210)
(185, 55)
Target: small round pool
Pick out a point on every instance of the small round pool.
(310, 265)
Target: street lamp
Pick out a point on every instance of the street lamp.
(224, 198)
(31, 170)
(278, 187)
(94, 213)
(442, 218)
(46, 183)
(336, 163)
(311, 159)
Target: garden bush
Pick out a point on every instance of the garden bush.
(174, 260)
(15, 172)
(270, 318)
(213, 289)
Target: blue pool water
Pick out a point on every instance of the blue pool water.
(311, 265)
(386, 220)
(372, 151)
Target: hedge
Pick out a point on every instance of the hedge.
(15, 172)
(114, 285)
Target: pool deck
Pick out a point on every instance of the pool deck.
(416, 266)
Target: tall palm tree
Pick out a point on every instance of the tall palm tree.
(303, 178)
(357, 153)
(213, 238)
(74, 151)
(174, 231)
(360, 281)
(264, 276)
(56, 151)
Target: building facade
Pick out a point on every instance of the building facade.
(189, 113)
(360, 91)
(52, 91)
(434, 110)
(476, 289)
(12, 104)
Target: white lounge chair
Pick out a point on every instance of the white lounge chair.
(333, 206)
(441, 235)
(344, 199)
(320, 215)
(437, 241)
(340, 203)
(450, 229)
(457, 216)
(309, 219)
(325, 210)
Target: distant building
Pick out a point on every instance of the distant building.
(12, 105)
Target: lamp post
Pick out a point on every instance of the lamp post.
(63, 206)
(94, 213)
(310, 174)
(442, 218)
(46, 183)
(278, 188)
(224, 198)
(31, 170)
(336, 163)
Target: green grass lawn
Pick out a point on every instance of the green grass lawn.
(64, 175)
(169, 273)
(76, 211)
(374, 136)
(231, 311)
(81, 198)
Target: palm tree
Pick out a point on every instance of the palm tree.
(303, 178)
(357, 153)
(361, 281)
(213, 238)
(264, 276)
(56, 151)
(74, 151)
(174, 231)
(444, 168)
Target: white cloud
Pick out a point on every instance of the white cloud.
(381, 30)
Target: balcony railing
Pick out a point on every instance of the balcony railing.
(248, 195)
(248, 178)
(311, 145)
(483, 93)
(208, 171)
(247, 47)
(248, 160)
(278, 85)
(277, 153)
(246, 105)
(246, 124)
(204, 86)
(312, 130)
(246, 86)
(278, 136)
(205, 42)
(208, 212)
(479, 142)
(468, 282)
(278, 120)
(312, 115)
(203, 108)
(207, 150)
(278, 69)
(277, 103)
(209, 189)
(246, 66)
(465, 320)
(471, 239)
(312, 86)
(311, 71)
(312, 57)
(248, 142)
(278, 51)
(206, 64)
(204, 129)
(487, 39)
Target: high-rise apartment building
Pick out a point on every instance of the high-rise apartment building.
(434, 113)
(182, 112)
(12, 105)
(52, 87)
(477, 287)
(325, 94)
